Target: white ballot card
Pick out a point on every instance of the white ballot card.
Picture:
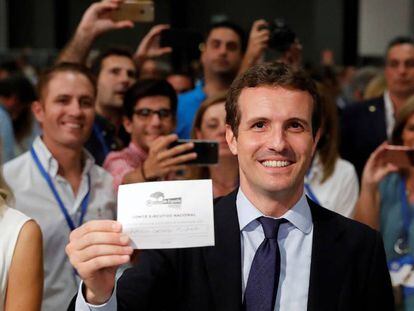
(167, 214)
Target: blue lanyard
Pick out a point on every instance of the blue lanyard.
(99, 136)
(46, 176)
(405, 211)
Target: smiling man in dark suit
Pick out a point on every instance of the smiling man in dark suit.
(274, 248)
(365, 125)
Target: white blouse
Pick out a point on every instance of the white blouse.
(11, 222)
(340, 191)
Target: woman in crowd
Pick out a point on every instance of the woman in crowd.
(331, 181)
(210, 124)
(21, 264)
(386, 203)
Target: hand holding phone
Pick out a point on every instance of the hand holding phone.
(382, 162)
(163, 160)
(150, 47)
(207, 151)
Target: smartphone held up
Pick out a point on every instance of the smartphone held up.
(138, 11)
(207, 151)
(400, 156)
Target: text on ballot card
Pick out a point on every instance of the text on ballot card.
(167, 214)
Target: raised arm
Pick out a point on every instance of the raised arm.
(258, 42)
(95, 22)
(367, 209)
(25, 283)
(149, 47)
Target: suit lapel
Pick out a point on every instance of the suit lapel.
(223, 261)
(379, 121)
(324, 285)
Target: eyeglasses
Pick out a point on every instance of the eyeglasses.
(146, 113)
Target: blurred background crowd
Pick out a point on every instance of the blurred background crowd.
(88, 103)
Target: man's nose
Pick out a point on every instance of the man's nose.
(75, 107)
(277, 140)
(222, 49)
(402, 68)
(126, 78)
(155, 119)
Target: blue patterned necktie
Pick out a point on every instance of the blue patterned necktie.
(261, 288)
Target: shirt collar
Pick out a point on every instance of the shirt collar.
(299, 215)
(199, 84)
(389, 113)
(51, 165)
(137, 150)
(199, 90)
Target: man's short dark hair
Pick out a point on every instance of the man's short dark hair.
(274, 75)
(114, 51)
(399, 40)
(145, 88)
(19, 86)
(47, 75)
(232, 26)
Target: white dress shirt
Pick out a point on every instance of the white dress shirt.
(295, 243)
(34, 198)
(389, 113)
(340, 191)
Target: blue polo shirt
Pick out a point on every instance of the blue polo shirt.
(188, 104)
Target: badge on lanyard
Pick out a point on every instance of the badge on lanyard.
(402, 269)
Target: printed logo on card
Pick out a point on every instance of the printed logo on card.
(158, 199)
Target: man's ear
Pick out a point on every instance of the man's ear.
(316, 140)
(127, 124)
(231, 139)
(38, 110)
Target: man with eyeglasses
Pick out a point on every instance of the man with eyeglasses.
(149, 117)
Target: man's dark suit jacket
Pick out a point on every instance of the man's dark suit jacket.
(363, 129)
(348, 269)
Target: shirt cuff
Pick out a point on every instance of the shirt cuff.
(82, 305)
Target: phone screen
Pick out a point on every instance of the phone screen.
(207, 151)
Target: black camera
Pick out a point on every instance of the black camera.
(281, 35)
